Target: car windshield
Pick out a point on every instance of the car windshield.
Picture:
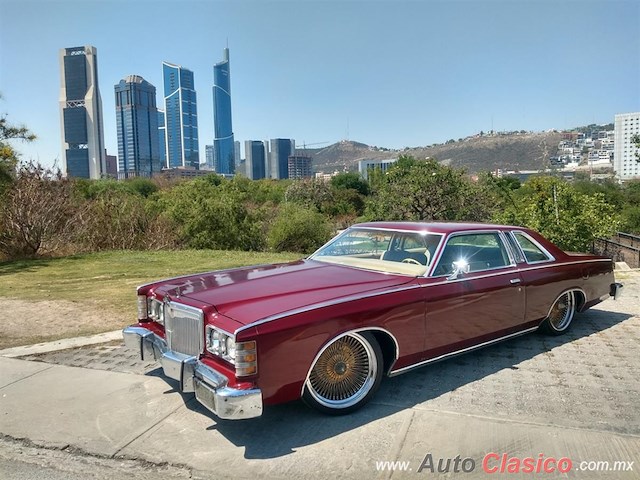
(389, 251)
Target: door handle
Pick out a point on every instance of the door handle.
(514, 281)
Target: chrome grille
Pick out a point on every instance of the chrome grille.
(184, 328)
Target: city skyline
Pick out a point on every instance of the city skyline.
(391, 74)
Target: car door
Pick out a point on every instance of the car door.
(482, 301)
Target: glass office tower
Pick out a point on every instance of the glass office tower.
(256, 159)
(81, 113)
(223, 144)
(181, 117)
(137, 124)
(162, 139)
(281, 148)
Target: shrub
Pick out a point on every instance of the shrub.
(37, 210)
(212, 216)
(298, 229)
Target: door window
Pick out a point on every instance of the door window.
(480, 251)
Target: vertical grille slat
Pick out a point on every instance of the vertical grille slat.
(184, 328)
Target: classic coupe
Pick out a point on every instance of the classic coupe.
(381, 298)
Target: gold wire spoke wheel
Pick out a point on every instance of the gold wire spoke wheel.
(344, 373)
(562, 312)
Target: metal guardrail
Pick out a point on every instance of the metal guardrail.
(623, 247)
(627, 239)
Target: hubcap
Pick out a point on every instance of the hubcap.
(562, 312)
(344, 373)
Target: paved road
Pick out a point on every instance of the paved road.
(575, 396)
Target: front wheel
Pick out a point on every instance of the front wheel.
(345, 375)
(561, 314)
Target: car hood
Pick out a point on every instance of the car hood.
(251, 293)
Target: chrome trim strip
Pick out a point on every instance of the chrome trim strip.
(458, 352)
(548, 265)
(326, 303)
(344, 334)
(511, 272)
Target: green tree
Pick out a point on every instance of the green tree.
(310, 193)
(425, 190)
(350, 181)
(8, 155)
(636, 141)
(298, 229)
(212, 216)
(561, 213)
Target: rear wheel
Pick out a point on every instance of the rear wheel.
(561, 314)
(345, 375)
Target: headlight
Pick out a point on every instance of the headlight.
(242, 354)
(161, 313)
(230, 347)
(155, 310)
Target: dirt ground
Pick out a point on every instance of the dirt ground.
(27, 322)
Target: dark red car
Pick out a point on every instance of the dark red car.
(379, 299)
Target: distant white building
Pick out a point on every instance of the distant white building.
(365, 165)
(625, 162)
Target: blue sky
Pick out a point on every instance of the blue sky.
(386, 73)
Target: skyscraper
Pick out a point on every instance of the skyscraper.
(281, 148)
(162, 138)
(300, 166)
(223, 144)
(208, 151)
(81, 113)
(137, 123)
(181, 117)
(236, 153)
(256, 159)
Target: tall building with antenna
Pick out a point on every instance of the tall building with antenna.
(223, 142)
(81, 113)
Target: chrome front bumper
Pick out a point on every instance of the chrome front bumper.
(210, 386)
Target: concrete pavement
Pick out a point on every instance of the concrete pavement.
(133, 416)
(575, 397)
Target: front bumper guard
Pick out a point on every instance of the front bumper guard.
(210, 386)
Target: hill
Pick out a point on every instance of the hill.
(509, 151)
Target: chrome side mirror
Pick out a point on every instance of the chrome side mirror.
(460, 267)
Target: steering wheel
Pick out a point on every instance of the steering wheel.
(411, 260)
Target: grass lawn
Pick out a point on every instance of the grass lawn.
(98, 284)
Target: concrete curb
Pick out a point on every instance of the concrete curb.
(63, 344)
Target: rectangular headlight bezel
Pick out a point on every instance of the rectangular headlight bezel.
(242, 355)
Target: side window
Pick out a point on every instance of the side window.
(532, 252)
(515, 250)
(481, 251)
